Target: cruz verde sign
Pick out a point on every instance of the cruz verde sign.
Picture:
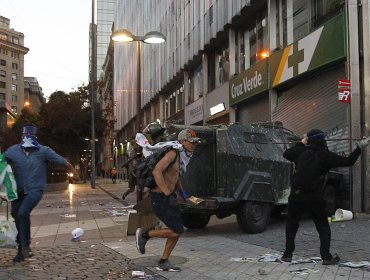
(249, 83)
(325, 45)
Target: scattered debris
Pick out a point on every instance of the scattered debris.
(253, 260)
(118, 213)
(262, 258)
(69, 215)
(310, 260)
(356, 264)
(138, 274)
(270, 258)
(303, 271)
(90, 259)
(77, 233)
(261, 271)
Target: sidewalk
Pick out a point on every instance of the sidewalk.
(105, 252)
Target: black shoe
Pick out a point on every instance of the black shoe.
(123, 197)
(19, 257)
(286, 257)
(26, 252)
(334, 260)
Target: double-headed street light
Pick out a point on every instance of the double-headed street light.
(152, 37)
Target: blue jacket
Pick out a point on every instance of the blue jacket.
(30, 170)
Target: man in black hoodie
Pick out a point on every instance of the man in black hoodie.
(310, 200)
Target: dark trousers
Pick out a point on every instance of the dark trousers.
(315, 207)
(21, 211)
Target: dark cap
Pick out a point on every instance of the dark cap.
(315, 136)
(29, 129)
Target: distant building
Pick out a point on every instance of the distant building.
(105, 16)
(12, 53)
(33, 96)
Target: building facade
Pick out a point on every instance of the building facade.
(302, 63)
(104, 20)
(12, 51)
(33, 96)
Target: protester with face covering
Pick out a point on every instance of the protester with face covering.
(28, 160)
(164, 199)
(310, 200)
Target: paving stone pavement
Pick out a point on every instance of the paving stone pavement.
(106, 252)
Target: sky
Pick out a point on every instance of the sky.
(57, 35)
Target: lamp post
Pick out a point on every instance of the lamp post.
(152, 37)
(92, 92)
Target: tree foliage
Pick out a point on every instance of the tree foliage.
(63, 123)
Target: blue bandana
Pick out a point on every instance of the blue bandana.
(29, 141)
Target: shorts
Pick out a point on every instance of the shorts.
(168, 211)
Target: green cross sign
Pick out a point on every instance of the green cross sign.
(295, 58)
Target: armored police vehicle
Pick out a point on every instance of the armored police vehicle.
(240, 169)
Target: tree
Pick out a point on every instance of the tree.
(13, 135)
(63, 123)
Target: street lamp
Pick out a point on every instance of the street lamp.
(152, 37)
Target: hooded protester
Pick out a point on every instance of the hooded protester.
(312, 161)
(28, 160)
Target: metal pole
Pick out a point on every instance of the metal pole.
(92, 93)
(139, 192)
(138, 87)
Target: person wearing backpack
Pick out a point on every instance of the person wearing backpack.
(312, 161)
(164, 200)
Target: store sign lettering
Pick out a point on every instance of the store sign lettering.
(248, 83)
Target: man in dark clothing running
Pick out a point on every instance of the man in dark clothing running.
(311, 201)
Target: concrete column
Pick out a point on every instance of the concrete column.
(289, 12)
(186, 88)
(162, 103)
(366, 90)
(355, 109)
(205, 84)
(232, 52)
(272, 41)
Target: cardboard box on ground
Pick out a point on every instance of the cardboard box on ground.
(143, 218)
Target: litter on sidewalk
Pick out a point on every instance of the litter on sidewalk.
(356, 264)
(303, 271)
(138, 274)
(310, 260)
(252, 260)
(263, 258)
(69, 215)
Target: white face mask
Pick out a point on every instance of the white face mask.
(30, 141)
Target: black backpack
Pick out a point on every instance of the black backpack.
(308, 175)
(146, 166)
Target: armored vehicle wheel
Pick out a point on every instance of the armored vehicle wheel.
(330, 195)
(195, 221)
(254, 216)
